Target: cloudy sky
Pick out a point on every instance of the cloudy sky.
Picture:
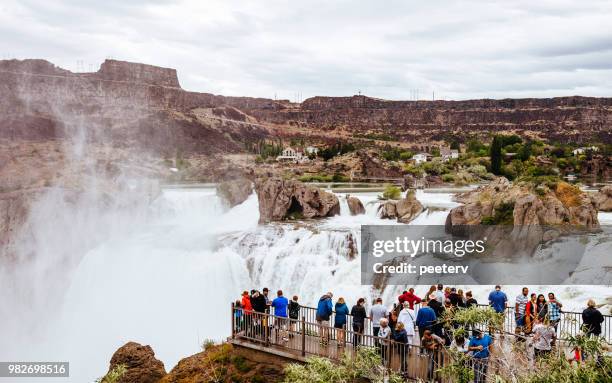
(388, 49)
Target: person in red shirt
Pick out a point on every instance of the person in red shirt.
(247, 309)
(246, 302)
(410, 297)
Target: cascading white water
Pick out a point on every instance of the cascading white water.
(168, 280)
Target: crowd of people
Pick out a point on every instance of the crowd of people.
(416, 321)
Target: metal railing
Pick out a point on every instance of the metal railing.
(570, 323)
(304, 338)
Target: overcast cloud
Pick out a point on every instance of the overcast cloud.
(457, 49)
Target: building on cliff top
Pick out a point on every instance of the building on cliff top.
(290, 154)
(419, 158)
(448, 154)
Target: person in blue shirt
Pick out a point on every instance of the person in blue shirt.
(280, 304)
(425, 320)
(342, 311)
(498, 300)
(324, 312)
(480, 345)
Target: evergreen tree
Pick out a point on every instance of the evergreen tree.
(496, 155)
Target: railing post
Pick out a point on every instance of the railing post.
(266, 326)
(233, 320)
(303, 336)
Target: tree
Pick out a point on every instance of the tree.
(525, 151)
(496, 155)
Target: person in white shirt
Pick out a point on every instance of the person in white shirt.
(407, 317)
(543, 336)
(377, 312)
(460, 344)
(385, 334)
(440, 294)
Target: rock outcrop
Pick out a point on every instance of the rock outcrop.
(217, 363)
(501, 202)
(281, 199)
(603, 198)
(14, 209)
(408, 208)
(114, 70)
(355, 205)
(404, 210)
(517, 218)
(235, 192)
(362, 164)
(224, 363)
(140, 362)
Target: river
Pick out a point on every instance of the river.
(169, 280)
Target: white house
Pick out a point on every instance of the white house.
(311, 150)
(290, 154)
(585, 149)
(448, 154)
(419, 158)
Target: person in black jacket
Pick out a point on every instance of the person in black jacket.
(294, 314)
(592, 319)
(258, 301)
(358, 312)
(438, 308)
(470, 301)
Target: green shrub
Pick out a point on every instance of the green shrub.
(435, 167)
(316, 178)
(406, 155)
(391, 192)
(207, 343)
(448, 178)
(113, 375)
(415, 170)
(366, 366)
(503, 215)
(337, 177)
(478, 170)
(241, 363)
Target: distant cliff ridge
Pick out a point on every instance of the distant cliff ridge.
(144, 105)
(142, 73)
(566, 119)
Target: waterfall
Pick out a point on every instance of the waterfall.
(166, 276)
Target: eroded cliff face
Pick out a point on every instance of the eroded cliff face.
(565, 119)
(124, 104)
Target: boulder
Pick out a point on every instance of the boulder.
(603, 198)
(408, 208)
(404, 210)
(355, 206)
(387, 210)
(281, 199)
(235, 192)
(140, 362)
